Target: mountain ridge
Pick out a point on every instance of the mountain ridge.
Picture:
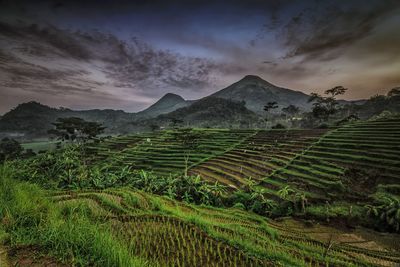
(243, 99)
(256, 92)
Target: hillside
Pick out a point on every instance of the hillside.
(256, 92)
(213, 112)
(32, 119)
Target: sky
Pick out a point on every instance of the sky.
(127, 54)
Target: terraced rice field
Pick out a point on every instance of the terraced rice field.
(170, 233)
(372, 146)
(313, 162)
(257, 157)
(164, 154)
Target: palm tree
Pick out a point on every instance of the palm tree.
(268, 107)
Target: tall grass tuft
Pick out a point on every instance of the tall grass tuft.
(29, 218)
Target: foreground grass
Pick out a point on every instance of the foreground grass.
(29, 218)
(122, 226)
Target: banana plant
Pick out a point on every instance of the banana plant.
(285, 192)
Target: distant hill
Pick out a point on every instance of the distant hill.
(166, 104)
(32, 119)
(256, 92)
(212, 112)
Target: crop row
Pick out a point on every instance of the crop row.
(171, 233)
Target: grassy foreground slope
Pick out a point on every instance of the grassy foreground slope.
(127, 227)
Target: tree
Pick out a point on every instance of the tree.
(326, 106)
(9, 149)
(291, 110)
(337, 90)
(175, 122)
(268, 107)
(154, 127)
(395, 92)
(75, 129)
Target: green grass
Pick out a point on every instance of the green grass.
(127, 227)
(30, 218)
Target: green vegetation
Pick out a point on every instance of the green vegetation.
(75, 129)
(209, 197)
(325, 107)
(29, 218)
(127, 227)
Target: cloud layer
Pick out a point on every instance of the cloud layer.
(94, 68)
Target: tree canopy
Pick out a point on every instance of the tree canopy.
(9, 149)
(394, 92)
(270, 105)
(326, 106)
(75, 129)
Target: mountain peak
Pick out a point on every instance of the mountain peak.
(252, 78)
(256, 92)
(171, 96)
(168, 103)
(255, 79)
(32, 106)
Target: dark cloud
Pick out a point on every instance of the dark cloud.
(133, 62)
(321, 30)
(47, 60)
(270, 63)
(145, 66)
